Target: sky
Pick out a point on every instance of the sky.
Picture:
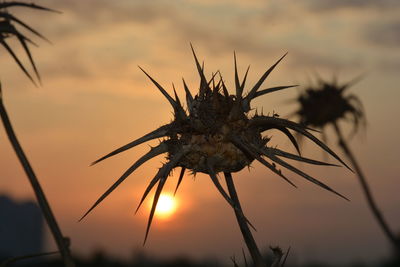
(94, 99)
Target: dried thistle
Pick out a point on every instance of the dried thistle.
(325, 104)
(217, 134)
(8, 29)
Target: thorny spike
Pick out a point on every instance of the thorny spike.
(188, 94)
(23, 24)
(162, 175)
(179, 112)
(278, 152)
(253, 91)
(247, 149)
(33, 6)
(358, 102)
(23, 39)
(189, 97)
(272, 89)
(160, 132)
(163, 171)
(305, 175)
(155, 151)
(226, 93)
(162, 90)
(14, 56)
(352, 82)
(27, 51)
(237, 84)
(244, 79)
(219, 85)
(152, 183)
(291, 138)
(160, 186)
(287, 133)
(180, 179)
(212, 79)
(203, 80)
(273, 168)
(260, 121)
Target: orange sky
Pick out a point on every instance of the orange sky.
(94, 99)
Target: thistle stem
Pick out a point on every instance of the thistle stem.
(243, 224)
(40, 196)
(367, 192)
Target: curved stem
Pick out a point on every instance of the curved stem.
(243, 224)
(367, 192)
(40, 196)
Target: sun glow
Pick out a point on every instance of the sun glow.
(166, 206)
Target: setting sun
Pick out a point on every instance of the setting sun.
(166, 206)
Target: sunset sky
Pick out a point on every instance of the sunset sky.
(95, 99)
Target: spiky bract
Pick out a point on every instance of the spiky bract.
(8, 29)
(216, 134)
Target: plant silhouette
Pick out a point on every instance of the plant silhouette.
(8, 30)
(216, 134)
(327, 103)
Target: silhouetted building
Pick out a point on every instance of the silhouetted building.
(21, 228)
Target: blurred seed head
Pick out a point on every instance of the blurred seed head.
(329, 103)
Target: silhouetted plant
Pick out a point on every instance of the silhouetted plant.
(326, 104)
(216, 134)
(8, 30)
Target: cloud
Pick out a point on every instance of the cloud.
(383, 34)
(106, 11)
(392, 65)
(334, 5)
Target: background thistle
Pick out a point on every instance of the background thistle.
(327, 103)
(216, 134)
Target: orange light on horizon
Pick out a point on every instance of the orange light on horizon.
(166, 206)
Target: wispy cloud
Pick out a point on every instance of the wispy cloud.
(333, 5)
(383, 33)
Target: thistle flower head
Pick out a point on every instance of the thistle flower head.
(326, 103)
(9, 28)
(217, 134)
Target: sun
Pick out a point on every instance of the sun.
(166, 206)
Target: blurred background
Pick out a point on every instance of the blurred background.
(95, 99)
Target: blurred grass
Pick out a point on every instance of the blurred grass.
(141, 259)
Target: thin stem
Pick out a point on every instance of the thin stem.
(243, 224)
(7, 262)
(367, 192)
(62, 242)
